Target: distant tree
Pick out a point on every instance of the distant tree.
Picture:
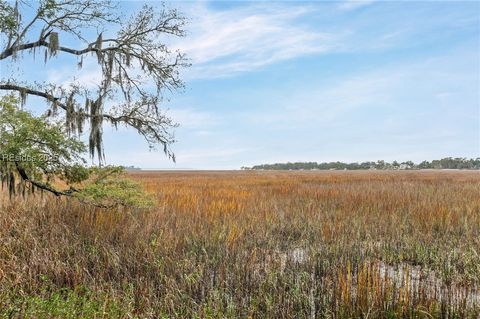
(462, 163)
(425, 165)
(436, 164)
(380, 164)
(410, 164)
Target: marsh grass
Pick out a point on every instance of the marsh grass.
(251, 244)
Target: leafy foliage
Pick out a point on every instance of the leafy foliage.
(109, 187)
(45, 152)
(37, 154)
(36, 150)
(132, 62)
(8, 21)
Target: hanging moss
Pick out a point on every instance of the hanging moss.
(109, 70)
(98, 42)
(53, 44)
(87, 104)
(127, 59)
(4, 175)
(11, 184)
(23, 97)
(95, 140)
(21, 188)
(98, 46)
(70, 120)
(80, 63)
(80, 120)
(53, 108)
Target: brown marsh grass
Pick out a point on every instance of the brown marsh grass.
(336, 244)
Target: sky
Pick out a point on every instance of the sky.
(316, 81)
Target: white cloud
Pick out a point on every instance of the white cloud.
(222, 43)
(354, 4)
(193, 119)
(90, 76)
(431, 84)
(322, 106)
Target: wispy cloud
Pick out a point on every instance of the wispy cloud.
(222, 43)
(193, 119)
(354, 4)
(324, 106)
(90, 76)
(430, 83)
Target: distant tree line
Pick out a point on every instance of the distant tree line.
(444, 163)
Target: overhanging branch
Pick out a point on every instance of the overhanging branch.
(136, 47)
(148, 127)
(11, 50)
(43, 186)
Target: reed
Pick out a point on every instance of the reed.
(251, 245)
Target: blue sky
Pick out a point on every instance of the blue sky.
(318, 81)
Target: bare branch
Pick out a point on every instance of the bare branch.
(137, 46)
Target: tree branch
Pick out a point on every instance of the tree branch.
(46, 187)
(147, 127)
(136, 46)
(49, 97)
(42, 42)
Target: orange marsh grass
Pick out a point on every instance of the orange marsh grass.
(252, 244)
